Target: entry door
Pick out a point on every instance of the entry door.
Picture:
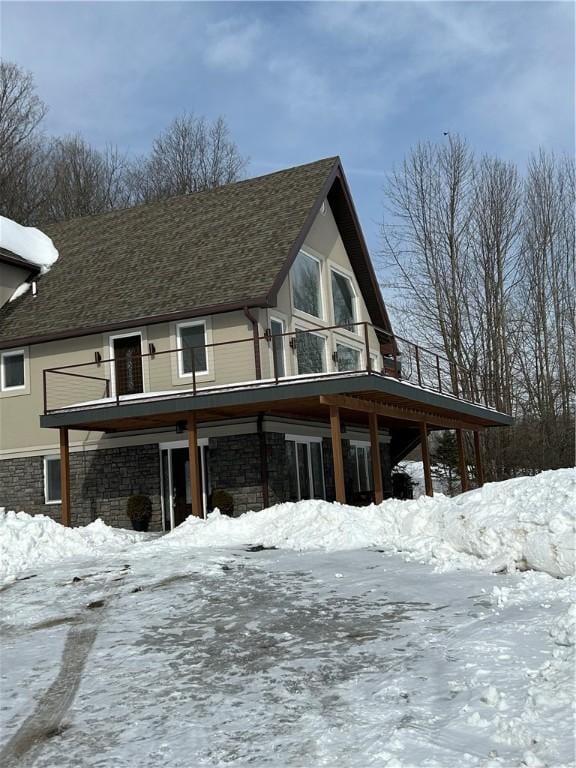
(176, 485)
(128, 365)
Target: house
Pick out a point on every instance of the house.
(233, 340)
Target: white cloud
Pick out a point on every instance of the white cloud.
(232, 44)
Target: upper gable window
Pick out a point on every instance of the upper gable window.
(344, 300)
(306, 285)
(12, 371)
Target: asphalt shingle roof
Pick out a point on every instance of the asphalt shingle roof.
(221, 246)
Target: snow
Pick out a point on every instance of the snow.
(192, 649)
(28, 242)
(28, 541)
(520, 523)
(524, 523)
(415, 470)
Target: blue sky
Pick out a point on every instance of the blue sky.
(300, 81)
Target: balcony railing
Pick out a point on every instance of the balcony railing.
(335, 351)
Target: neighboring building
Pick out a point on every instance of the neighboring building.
(223, 340)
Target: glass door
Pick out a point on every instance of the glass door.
(305, 469)
(128, 377)
(176, 491)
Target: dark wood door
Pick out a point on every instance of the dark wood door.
(128, 365)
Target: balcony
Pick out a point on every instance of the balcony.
(256, 362)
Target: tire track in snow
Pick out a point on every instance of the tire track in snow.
(47, 719)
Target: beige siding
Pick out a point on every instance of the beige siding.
(324, 242)
(10, 278)
(20, 412)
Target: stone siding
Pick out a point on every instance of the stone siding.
(102, 481)
(100, 484)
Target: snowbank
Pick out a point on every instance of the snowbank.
(526, 523)
(28, 242)
(521, 523)
(28, 541)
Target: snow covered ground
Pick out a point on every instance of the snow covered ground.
(384, 640)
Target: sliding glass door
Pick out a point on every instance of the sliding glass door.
(176, 491)
(305, 468)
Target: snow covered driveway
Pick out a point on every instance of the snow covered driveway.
(180, 657)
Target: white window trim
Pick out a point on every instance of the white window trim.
(314, 332)
(357, 347)
(355, 303)
(307, 440)
(46, 460)
(300, 312)
(285, 340)
(13, 353)
(111, 339)
(361, 444)
(303, 439)
(191, 324)
(206, 490)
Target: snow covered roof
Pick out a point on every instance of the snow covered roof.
(27, 245)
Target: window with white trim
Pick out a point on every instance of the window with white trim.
(12, 370)
(305, 468)
(306, 285)
(362, 453)
(348, 358)
(192, 357)
(52, 492)
(278, 358)
(310, 352)
(343, 300)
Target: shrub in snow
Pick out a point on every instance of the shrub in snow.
(139, 510)
(223, 501)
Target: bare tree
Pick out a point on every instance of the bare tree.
(83, 180)
(21, 110)
(22, 148)
(190, 156)
(426, 243)
(483, 265)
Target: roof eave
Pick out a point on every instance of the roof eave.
(71, 333)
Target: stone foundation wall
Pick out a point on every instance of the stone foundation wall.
(100, 484)
(102, 481)
(234, 466)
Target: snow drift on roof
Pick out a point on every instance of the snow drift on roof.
(27, 242)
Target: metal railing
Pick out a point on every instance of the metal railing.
(321, 351)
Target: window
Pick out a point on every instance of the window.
(52, 494)
(191, 341)
(277, 328)
(310, 352)
(363, 467)
(305, 469)
(343, 298)
(348, 358)
(12, 370)
(306, 286)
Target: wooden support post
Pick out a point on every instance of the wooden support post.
(376, 466)
(65, 476)
(337, 456)
(462, 461)
(195, 483)
(426, 459)
(478, 459)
